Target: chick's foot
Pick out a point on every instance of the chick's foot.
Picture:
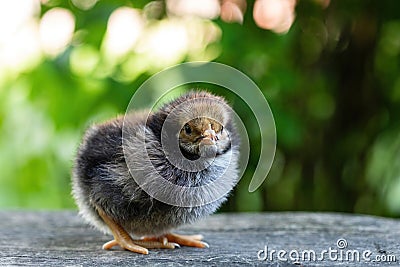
(138, 246)
(124, 240)
(184, 240)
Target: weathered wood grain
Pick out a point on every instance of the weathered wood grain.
(61, 238)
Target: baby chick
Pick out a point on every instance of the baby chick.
(115, 154)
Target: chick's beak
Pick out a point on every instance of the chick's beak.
(207, 145)
(209, 137)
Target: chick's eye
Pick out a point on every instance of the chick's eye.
(187, 129)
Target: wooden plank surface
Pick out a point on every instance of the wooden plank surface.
(61, 238)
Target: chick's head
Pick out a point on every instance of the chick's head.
(203, 136)
(199, 123)
(204, 121)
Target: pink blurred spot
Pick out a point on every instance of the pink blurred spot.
(274, 15)
(233, 10)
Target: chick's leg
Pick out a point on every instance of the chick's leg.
(124, 240)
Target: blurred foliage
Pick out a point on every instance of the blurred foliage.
(332, 82)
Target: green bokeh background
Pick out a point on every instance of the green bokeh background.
(332, 82)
